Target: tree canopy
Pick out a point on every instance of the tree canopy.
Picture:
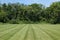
(16, 12)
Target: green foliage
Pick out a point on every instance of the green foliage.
(3, 16)
(14, 21)
(16, 12)
(54, 13)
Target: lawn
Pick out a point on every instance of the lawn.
(29, 32)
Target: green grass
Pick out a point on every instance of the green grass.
(29, 32)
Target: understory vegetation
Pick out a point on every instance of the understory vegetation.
(35, 13)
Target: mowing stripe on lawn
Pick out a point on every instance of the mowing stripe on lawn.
(7, 27)
(10, 34)
(9, 31)
(26, 34)
(29, 34)
(49, 33)
(44, 35)
(18, 35)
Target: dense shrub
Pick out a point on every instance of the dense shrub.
(14, 21)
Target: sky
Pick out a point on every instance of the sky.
(44, 2)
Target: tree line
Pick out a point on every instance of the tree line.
(34, 13)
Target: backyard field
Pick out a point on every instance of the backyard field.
(29, 32)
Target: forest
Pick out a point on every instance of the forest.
(16, 13)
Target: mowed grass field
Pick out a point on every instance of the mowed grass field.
(29, 32)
